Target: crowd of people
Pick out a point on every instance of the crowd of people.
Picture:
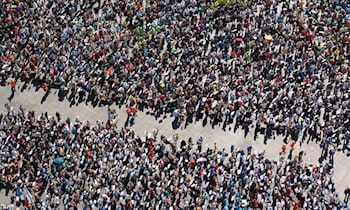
(53, 163)
(278, 66)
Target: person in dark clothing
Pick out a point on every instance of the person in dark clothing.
(347, 195)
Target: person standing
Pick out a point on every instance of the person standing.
(199, 144)
(257, 130)
(12, 84)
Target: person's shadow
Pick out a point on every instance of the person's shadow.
(12, 95)
(132, 121)
(290, 156)
(126, 123)
(95, 103)
(80, 99)
(61, 95)
(25, 85)
(189, 119)
(205, 121)
(72, 102)
(175, 123)
(71, 96)
(199, 116)
(43, 99)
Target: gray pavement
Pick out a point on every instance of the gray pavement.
(143, 122)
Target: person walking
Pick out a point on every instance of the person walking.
(12, 85)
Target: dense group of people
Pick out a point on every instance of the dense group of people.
(278, 66)
(275, 65)
(53, 163)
